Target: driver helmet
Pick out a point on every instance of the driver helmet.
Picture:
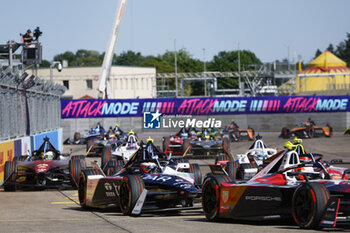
(131, 132)
(116, 125)
(148, 167)
(298, 140)
(48, 155)
(288, 145)
(149, 139)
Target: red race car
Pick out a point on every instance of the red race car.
(311, 193)
(178, 143)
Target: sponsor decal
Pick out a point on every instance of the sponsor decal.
(108, 186)
(202, 106)
(262, 198)
(152, 120)
(225, 195)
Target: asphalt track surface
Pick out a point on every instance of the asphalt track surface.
(59, 211)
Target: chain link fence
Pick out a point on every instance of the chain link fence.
(28, 105)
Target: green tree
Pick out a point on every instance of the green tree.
(318, 53)
(129, 58)
(45, 63)
(343, 50)
(69, 56)
(330, 48)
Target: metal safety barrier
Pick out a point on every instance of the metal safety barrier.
(28, 105)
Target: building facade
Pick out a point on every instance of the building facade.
(126, 82)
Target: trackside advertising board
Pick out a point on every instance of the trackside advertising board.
(96, 108)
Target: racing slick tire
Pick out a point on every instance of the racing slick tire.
(130, 191)
(82, 184)
(310, 132)
(226, 144)
(231, 169)
(309, 203)
(76, 164)
(222, 158)
(10, 167)
(210, 195)
(185, 145)
(165, 143)
(285, 133)
(197, 174)
(113, 167)
(106, 156)
(89, 143)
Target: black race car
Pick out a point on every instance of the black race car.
(146, 182)
(45, 168)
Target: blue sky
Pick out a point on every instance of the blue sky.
(265, 27)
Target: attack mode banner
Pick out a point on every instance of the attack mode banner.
(96, 108)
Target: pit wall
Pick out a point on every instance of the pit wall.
(25, 146)
(259, 122)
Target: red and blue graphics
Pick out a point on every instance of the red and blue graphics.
(96, 108)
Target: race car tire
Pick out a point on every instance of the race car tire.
(165, 143)
(106, 156)
(222, 158)
(227, 144)
(76, 164)
(89, 143)
(10, 167)
(309, 203)
(76, 136)
(210, 195)
(113, 167)
(82, 184)
(130, 191)
(185, 145)
(231, 169)
(20, 158)
(285, 133)
(310, 132)
(197, 174)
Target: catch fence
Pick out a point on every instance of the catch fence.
(28, 105)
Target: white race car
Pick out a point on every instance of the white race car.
(247, 165)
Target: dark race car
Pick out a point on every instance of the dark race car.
(237, 134)
(147, 182)
(178, 143)
(307, 130)
(93, 134)
(207, 144)
(347, 131)
(45, 168)
(309, 193)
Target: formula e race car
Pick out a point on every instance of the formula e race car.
(117, 154)
(206, 144)
(237, 134)
(145, 183)
(178, 143)
(307, 130)
(93, 134)
(247, 165)
(286, 188)
(347, 131)
(45, 168)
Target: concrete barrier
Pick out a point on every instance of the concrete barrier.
(260, 122)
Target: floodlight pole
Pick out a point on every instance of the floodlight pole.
(176, 93)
